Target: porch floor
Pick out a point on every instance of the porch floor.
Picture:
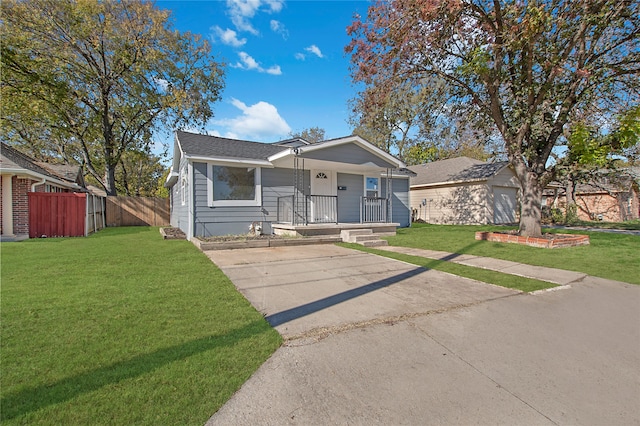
(316, 229)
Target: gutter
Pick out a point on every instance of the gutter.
(33, 185)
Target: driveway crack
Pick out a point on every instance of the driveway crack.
(317, 334)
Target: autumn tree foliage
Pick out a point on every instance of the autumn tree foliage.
(90, 81)
(312, 134)
(526, 66)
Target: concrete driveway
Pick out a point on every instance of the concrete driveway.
(369, 340)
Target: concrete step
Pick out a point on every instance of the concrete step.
(362, 238)
(349, 235)
(374, 243)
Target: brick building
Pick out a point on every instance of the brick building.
(21, 174)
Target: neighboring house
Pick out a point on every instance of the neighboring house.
(608, 198)
(20, 175)
(224, 186)
(464, 191)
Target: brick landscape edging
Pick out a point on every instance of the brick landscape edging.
(566, 240)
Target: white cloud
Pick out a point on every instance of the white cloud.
(260, 121)
(242, 11)
(279, 28)
(315, 50)
(300, 56)
(228, 37)
(248, 63)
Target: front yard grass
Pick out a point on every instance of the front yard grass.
(479, 274)
(612, 256)
(122, 327)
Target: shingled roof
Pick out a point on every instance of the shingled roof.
(11, 158)
(195, 145)
(459, 169)
(17, 162)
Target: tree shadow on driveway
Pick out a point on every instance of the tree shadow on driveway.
(288, 315)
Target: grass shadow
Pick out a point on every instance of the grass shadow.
(31, 399)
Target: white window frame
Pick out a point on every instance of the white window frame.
(366, 190)
(257, 200)
(183, 189)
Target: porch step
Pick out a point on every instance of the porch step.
(350, 235)
(364, 237)
(374, 243)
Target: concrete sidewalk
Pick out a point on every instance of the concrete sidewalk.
(552, 275)
(370, 340)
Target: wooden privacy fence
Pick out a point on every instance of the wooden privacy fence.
(137, 211)
(64, 214)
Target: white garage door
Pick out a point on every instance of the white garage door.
(504, 204)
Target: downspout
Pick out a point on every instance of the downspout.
(42, 182)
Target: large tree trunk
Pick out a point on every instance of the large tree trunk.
(530, 207)
(110, 180)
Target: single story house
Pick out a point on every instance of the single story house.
(223, 186)
(464, 191)
(608, 197)
(20, 175)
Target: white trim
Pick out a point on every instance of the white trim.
(191, 210)
(184, 184)
(231, 162)
(257, 200)
(7, 205)
(28, 174)
(283, 154)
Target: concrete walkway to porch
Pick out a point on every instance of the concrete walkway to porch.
(557, 276)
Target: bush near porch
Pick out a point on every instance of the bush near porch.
(122, 327)
(612, 256)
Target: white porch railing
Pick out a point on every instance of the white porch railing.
(313, 209)
(373, 210)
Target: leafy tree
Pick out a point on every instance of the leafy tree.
(391, 119)
(92, 80)
(140, 173)
(526, 66)
(594, 154)
(311, 135)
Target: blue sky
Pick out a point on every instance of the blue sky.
(286, 68)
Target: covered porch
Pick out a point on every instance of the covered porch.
(333, 229)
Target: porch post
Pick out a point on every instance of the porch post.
(7, 205)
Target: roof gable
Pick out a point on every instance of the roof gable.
(459, 169)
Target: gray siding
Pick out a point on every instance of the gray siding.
(349, 199)
(401, 212)
(180, 212)
(348, 153)
(210, 221)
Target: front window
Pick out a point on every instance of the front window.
(233, 186)
(372, 187)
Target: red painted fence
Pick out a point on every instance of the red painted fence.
(57, 214)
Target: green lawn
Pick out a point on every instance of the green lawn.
(613, 256)
(479, 274)
(122, 327)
